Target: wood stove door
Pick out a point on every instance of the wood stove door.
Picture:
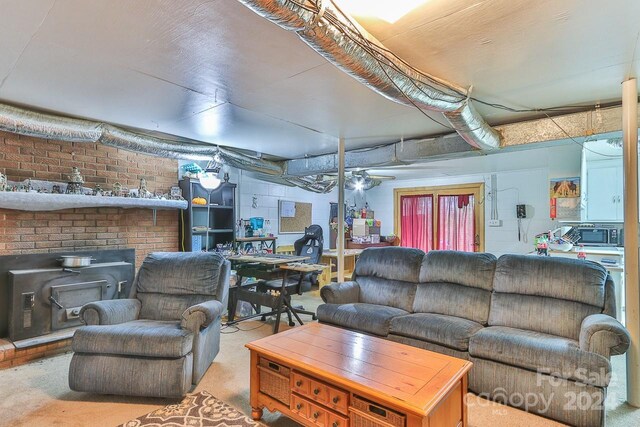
(67, 300)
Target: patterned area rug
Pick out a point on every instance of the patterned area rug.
(195, 410)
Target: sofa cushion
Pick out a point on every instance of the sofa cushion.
(453, 300)
(538, 352)
(452, 332)
(392, 293)
(369, 318)
(561, 278)
(541, 314)
(546, 294)
(471, 269)
(150, 338)
(180, 273)
(392, 262)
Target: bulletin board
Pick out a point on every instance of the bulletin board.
(298, 222)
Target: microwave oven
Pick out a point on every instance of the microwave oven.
(598, 236)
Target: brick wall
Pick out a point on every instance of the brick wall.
(90, 228)
(23, 232)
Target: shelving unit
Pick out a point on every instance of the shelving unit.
(221, 220)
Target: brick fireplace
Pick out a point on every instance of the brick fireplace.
(24, 232)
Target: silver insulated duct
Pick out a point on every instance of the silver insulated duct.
(321, 25)
(48, 126)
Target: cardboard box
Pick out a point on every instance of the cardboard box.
(360, 227)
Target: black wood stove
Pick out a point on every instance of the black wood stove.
(39, 297)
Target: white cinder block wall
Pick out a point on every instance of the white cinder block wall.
(267, 195)
(529, 186)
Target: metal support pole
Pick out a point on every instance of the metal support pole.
(340, 239)
(631, 278)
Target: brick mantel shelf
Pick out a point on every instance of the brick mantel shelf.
(51, 202)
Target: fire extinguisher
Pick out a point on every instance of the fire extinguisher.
(553, 208)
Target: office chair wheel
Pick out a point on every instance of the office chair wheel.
(292, 324)
(314, 317)
(263, 318)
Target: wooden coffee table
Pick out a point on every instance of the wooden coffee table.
(319, 375)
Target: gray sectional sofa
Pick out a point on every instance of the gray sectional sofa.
(538, 330)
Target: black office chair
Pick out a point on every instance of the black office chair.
(309, 245)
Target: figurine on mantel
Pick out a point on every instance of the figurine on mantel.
(117, 189)
(75, 182)
(3, 182)
(143, 193)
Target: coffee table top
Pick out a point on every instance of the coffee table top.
(408, 377)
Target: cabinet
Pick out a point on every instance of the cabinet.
(605, 190)
(219, 217)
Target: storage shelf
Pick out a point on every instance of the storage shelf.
(214, 230)
(52, 202)
(212, 206)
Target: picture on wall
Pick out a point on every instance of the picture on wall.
(561, 188)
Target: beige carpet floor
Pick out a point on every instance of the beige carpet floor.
(37, 394)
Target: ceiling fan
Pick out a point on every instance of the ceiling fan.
(358, 180)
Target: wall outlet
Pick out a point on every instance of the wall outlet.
(495, 223)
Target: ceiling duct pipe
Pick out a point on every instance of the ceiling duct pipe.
(321, 25)
(48, 126)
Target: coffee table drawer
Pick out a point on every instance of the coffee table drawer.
(338, 400)
(325, 394)
(336, 420)
(300, 406)
(274, 380)
(368, 414)
(318, 415)
(300, 384)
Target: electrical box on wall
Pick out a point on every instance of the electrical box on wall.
(495, 223)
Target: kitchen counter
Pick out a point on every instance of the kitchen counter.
(594, 250)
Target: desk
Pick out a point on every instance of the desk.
(267, 267)
(265, 242)
(330, 257)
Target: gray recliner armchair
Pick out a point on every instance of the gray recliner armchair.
(161, 340)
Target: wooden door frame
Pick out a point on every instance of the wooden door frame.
(475, 188)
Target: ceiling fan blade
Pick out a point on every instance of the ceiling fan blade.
(382, 177)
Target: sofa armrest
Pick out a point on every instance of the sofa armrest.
(201, 315)
(604, 335)
(341, 293)
(110, 312)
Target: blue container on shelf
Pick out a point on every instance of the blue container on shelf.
(257, 223)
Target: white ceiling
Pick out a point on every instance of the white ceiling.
(217, 72)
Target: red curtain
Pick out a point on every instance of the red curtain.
(417, 222)
(456, 223)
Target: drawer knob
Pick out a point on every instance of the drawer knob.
(299, 383)
(316, 414)
(316, 391)
(335, 424)
(299, 406)
(336, 399)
